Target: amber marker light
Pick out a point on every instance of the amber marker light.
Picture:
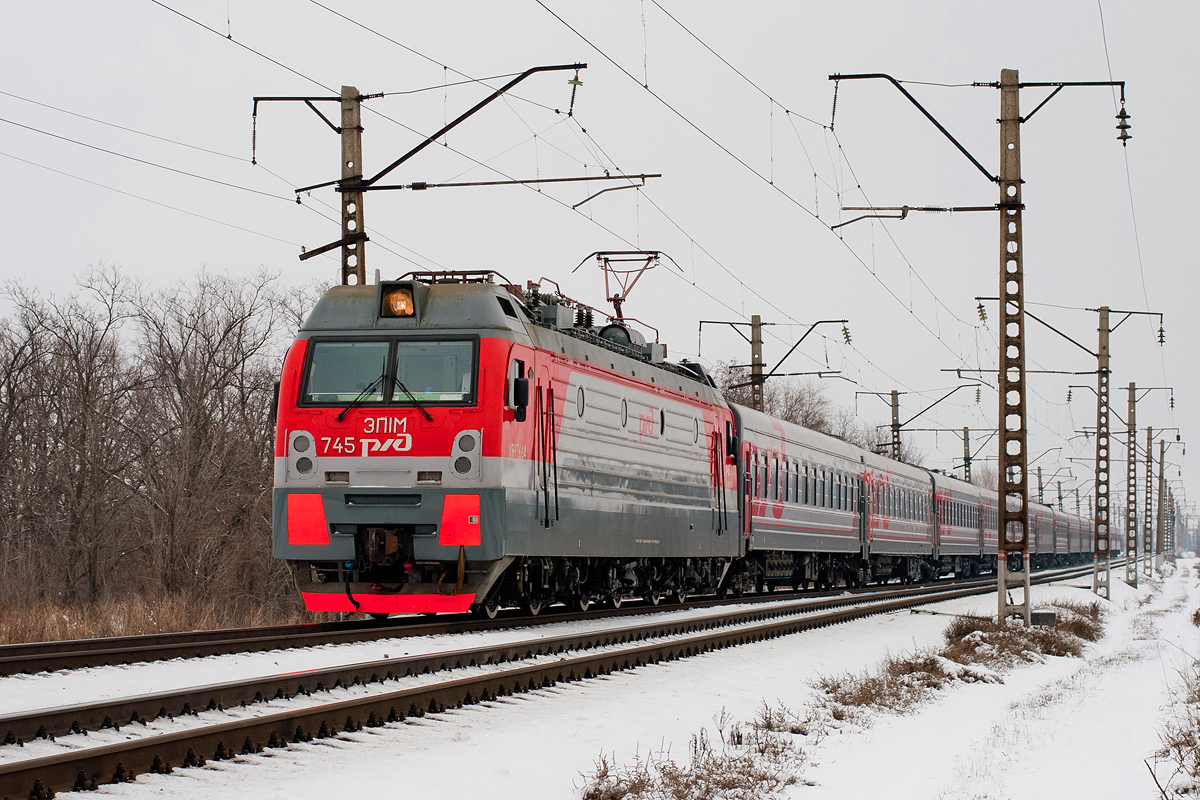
(398, 302)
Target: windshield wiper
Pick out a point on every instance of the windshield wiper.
(377, 382)
(414, 399)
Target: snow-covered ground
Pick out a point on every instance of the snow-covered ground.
(1059, 729)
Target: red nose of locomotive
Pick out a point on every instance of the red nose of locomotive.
(386, 496)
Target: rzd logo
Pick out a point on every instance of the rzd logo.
(400, 444)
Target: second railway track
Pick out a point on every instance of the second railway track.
(80, 653)
(512, 667)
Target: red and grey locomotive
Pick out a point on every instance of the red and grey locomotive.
(447, 443)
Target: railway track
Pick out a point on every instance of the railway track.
(499, 670)
(79, 653)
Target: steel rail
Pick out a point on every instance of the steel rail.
(78, 653)
(86, 768)
(20, 727)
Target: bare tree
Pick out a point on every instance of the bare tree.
(805, 403)
(72, 417)
(207, 347)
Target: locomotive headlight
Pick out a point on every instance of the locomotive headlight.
(304, 465)
(301, 444)
(462, 465)
(398, 302)
(466, 443)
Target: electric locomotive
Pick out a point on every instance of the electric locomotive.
(445, 443)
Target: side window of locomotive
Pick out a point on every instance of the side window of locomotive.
(435, 372)
(341, 372)
(516, 369)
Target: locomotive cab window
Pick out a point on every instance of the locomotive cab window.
(435, 371)
(399, 372)
(341, 372)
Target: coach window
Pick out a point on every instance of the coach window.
(775, 495)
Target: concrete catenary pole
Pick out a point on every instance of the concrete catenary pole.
(353, 261)
(1013, 495)
(1162, 503)
(967, 455)
(1131, 524)
(756, 363)
(895, 424)
(1100, 549)
(1148, 528)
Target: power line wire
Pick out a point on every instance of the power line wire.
(147, 163)
(1132, 210)
(756, 173)
(230, 38)
(122, 127)
(148, 200)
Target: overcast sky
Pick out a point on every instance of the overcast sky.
(755, 172)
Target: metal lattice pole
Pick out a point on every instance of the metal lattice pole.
(1131, 523)
(1013, 501)
(1100, 550)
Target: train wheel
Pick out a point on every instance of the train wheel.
(679, 596)
(615, 601)
(581, 603)
(532, 606)
(653, 598)
(488, 609)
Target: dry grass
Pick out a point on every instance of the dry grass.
(754, 761)
(41, 622)
(974, 648)
(897, 684)
(759, 759)
(981, 640)
(1180, 735)
(1196, 617)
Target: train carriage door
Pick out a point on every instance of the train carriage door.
(860, 511)
(750, 481)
